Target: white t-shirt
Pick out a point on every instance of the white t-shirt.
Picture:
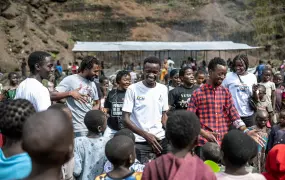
(133, 77)
(270, 86)
(146, 106)
(249, 176)
(35, 92)
(241, 91)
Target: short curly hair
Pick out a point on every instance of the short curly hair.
(238, 148)
(121, 74)
(216, 61)
(183, 70)
(88, 63)
(182, 128)
(152, 60)
(13, 115)
(37, 57)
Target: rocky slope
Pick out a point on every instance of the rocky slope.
(28, 25)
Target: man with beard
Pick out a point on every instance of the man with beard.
(80, 92)
(214, 106)
(180, 96)
(32, 89)
(144, 112)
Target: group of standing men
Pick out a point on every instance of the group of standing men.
(145, 105)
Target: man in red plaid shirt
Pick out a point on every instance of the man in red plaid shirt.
(214, 106)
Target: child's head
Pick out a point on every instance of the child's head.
(282, 118)
(237, 149)
(275, 163)
(48, 138)
(123, 79)
(186, 75)
(200, 77)
(120, 151)
(126, 132)
(13, 78)
(182, 129)
(211, 151)
(95, 121)
(62, 107)
(261, 91)
(266, 74)
(104, 81)
(174, 77)
(278, 79)
(13, 115)
(261, 118)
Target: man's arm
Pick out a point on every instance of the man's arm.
(129, 124)
(164, 118)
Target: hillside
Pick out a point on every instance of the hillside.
(26, 26)
(53, 26)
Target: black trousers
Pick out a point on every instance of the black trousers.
(145, 152)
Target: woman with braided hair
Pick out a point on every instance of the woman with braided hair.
(14, 162)
(240, 84)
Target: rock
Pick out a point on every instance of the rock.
(10, 25)
(25, 42)
(11, 12)
(52, 30)
(32, 29)
(61, 1)
(36, 3)
(64, 44)
(4, 5)
(45, 41)
(10, 40)
(16, 50)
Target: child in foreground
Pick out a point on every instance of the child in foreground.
(137, 166)
(67, 168)
(182, 130)
(48, 139)
(211, 154)
(275, 164)
(89, 151)
(277, 134)
(120, 151)
(15, 163)
(261, 119)
(238, 149)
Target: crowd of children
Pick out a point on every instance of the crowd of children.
(43, 144)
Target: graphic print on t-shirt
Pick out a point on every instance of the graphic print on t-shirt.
(87, 91)
(117, 109)
(180, 96)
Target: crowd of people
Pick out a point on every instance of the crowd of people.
(199, 123)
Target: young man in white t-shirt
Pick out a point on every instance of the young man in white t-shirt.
(32, 89)
(144, 112)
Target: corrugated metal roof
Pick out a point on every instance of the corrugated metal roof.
(160, 46)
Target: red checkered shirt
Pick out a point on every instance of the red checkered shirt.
(215, 109)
